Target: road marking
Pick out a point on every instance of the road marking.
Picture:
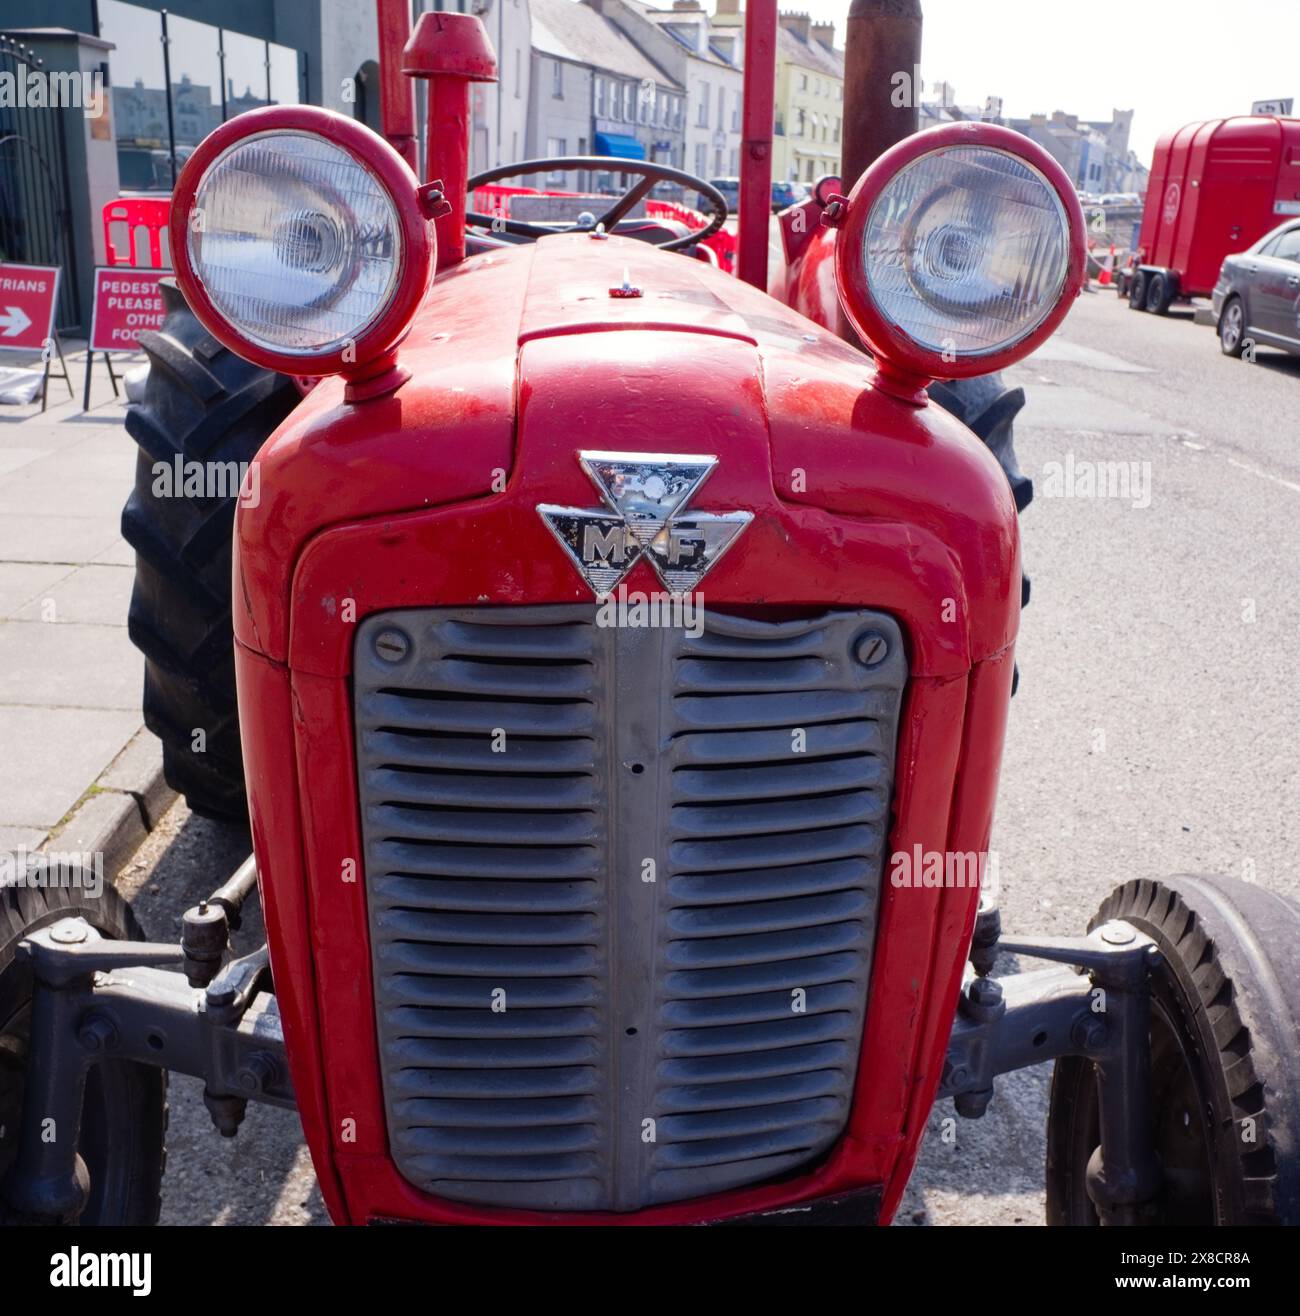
(1063, 350)
(1263, 475)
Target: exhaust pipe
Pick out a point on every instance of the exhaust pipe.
(882, 85)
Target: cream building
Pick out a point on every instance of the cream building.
(809, 94)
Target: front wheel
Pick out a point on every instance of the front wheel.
(1225, 1059)
(124, 1113)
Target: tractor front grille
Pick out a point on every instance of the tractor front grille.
(622, 885)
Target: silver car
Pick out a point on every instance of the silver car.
(1257, 297)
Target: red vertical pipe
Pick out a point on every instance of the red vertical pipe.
(396, 93)
(756, 144)
(447, 160)
(450, 51)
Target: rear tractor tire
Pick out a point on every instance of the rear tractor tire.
(1225, 1060)
(203, 404)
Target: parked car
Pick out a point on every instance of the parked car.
(784, 194)
(730, 189)
(1257, 297)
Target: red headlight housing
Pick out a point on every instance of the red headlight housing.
(960, 251)
(301, 241)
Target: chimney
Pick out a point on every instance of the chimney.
(686, 6)
(824, 33)
(796, 23)
(727, 7)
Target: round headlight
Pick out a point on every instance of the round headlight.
(961, 250)
(297, 242)
(304, 247)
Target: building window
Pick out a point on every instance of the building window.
(645, 105)
(702, 116)
(600, 98)
(157, 123)
(556, 147)
(722, 107)
(803, 82)
(557, 79)
(735, 112)
(837, 130)
(629, 94)
(735, 162)
(701, 159)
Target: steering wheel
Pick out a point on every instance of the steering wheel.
(648, 172)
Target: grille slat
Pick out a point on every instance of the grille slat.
(487, 826)
(498, 897)
(387, 708)
(475, 753)
(622, 888)
(488, 865)
(778, 781)
(804, 815)
(741, 747)
(479, 790)
(775, 850)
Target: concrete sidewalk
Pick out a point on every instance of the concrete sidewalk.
(77, 770)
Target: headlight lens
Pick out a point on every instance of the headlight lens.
(966, 250)
(295, 241)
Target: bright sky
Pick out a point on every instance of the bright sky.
(1201, 58)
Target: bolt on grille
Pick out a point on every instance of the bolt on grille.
(622, 886)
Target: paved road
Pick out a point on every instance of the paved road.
(1154, 731)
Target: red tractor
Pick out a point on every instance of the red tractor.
(622, 660)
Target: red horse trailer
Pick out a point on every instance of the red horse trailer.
(1216, 186)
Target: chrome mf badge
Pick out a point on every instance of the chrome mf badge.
(645, 495)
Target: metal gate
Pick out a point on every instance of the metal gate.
(35, 218)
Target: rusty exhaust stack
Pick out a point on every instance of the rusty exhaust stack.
(882, 42)
(396, 93)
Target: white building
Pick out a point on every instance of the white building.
(706, 61)
(499, 110)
